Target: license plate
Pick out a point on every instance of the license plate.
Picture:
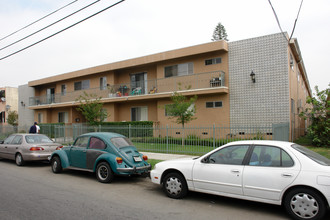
(137, 159)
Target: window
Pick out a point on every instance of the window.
(103, 83)
(270, 156)
(120, 142)
(63, 117)
(215, 104)
(229, 155)
(139, 83)
(50, 95)
(2, 95)
(96, 143)
(17, 140)
(312, 155)
(2, 117)
(291, 62)
(168, 107)
(37, 139)
(40, 117)
(9, 139)
(179, 70)
(139, 114)
(81, 85)
(213, 61)
(63, 89)
(81, 142)
(292, 106)
(104, 115)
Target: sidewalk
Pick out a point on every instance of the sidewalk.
(163, 156)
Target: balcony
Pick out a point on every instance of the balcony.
(201, 83)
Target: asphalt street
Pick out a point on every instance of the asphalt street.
(34, 192)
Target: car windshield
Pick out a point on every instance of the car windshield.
(120, 142)
(312, 155)
(37, 139)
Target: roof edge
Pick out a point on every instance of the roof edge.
(153, 58)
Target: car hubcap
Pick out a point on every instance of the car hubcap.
(18, 159)
(103, 172)
(304, 205)
(55, 165)
(173, 185)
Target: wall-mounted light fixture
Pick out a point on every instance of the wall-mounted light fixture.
(22, 104)
(8, 107)
(253, 76)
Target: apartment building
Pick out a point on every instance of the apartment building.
(250, 82)
(8, 102)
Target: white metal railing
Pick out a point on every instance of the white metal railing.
(147, 87)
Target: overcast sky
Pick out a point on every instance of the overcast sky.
(137, 28)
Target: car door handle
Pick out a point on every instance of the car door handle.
(235, 171)
(287, 175)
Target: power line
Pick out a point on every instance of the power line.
(18, 51)
(295, 22)
(83, 8)
(278, 22)
(38, 20)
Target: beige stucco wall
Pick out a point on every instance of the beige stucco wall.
(298, 93)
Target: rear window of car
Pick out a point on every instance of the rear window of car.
(120, 142)
(312, 155)
(37, 139)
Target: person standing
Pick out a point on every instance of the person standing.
(38, 128)
(33, 128)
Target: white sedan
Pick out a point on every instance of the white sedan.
(274, 172)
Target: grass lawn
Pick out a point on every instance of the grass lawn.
(321, 150)
(153, 162)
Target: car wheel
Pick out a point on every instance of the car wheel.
(19, 160)
(175, 186)
(304, 203)
(56, 164)
(104, 173)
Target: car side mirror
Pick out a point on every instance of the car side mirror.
(1, 142)
(205, 160)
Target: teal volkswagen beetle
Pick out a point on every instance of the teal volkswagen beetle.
(106, 154)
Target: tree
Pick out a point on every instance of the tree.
(182, 109)
(92, 109)
(219, 33)
(318, 112)
(12, 119)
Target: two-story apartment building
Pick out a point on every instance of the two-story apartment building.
(219, 73)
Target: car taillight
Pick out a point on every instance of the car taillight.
(145, 157)
(119, 160)
(36, 148)
(59, 148)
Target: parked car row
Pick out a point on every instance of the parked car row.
(273, 172)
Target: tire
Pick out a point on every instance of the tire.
(104, 174)
(304, 203)
(56, 164)
(19, 160)
(175, 186)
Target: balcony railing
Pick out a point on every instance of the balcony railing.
(147, 87)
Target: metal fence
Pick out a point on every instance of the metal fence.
(165, 139)
(169, 139)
